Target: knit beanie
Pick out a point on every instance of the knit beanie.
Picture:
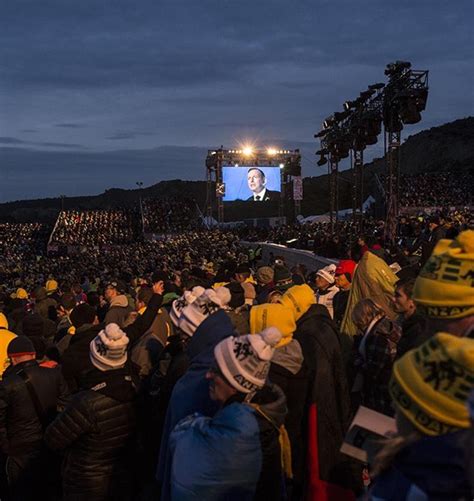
(19, 346)
(187, 298)
(444, 287)
(328, 273)
(33, 325)
(21, 294)
(298, 299)
(108, 350)
(237, 294)
(82, 314)
(210, 301)
(245, 360)
(346, 267)
(273, 315)
(282, 277)
(431, 384)
(51, 286)
(265, 275)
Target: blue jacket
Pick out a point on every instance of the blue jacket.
(191, 392)
(231, 456)
(433, 468)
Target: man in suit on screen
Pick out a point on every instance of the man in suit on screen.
(257, 185)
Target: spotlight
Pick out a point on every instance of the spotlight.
(348, 105)
(341, 115)
(366, 94)
(328, 122)
(377, 86)
(271, 152)
(321, 133)
(247, 151)
(281, 166)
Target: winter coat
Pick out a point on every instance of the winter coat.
(376, 353)
(414, 334)
(76, 358)
(5, 337)
(191, 392)
(240, 318)
(96, 432)
(233, 456)
(433, 468)
(326, 297)
(289, 372)
(21, 430)
(340, 304)
(118, 311)
(328, 407)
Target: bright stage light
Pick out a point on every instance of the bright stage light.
(247, 151)
(271, 151)
(282, 165)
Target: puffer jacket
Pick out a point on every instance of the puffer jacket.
(233, 456)
(96, 431)
(21, 431)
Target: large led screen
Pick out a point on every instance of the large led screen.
(251, 184)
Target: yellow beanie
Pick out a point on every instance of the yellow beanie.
(21, 294)
(3, 321)
(51, 285)
(430, 385)
(445, 286)
(298, 299)
(273, 315)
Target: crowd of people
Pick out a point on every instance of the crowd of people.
(190, 367)
(437, 189)
(96, 227)
(169, 215)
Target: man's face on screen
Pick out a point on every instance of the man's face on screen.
(256, 181)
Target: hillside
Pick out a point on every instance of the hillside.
(448, 147)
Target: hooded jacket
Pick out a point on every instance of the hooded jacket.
(191, 392)
(118, 311)
(5, 337)
(431, 468)
(233, 456)
(96, 431)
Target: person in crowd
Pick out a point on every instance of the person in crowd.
(289, 372)
(443, 291)
(244, 434)
(436, 232)
(343, 278)
(257, 183)
(66, 305)
(327, 405)
(282, 278)
(237, 309)
(413, 324)
(52, 290)
(30, 396)
(96, 430)
(376, 352)
(207, 324)
(5, 337)
(325, 287)
(427, 457)
(119, 309)
(44, 305)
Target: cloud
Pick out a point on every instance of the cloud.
(10, 140)
(16, 141)
(70, 125)
(122, 135)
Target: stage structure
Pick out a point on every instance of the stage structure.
(349, 132)
(239, 175)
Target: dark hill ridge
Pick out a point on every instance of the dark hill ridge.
(447, 147)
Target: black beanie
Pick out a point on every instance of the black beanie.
(237, 294)
(20, 345)
(82, 314)
(33, 325)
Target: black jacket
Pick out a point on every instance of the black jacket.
(328, 393)
(97, 433)
(21, 430)
(270, 196)
(76, 361)
(414, 334)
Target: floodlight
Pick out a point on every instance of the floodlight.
(271, 151)
(328, 122)
(282, 165)
(341, 115)
(247, 151)
(321, 133)
(377, 86)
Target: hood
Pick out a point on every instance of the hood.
(289, 356)
(316, 310)
(437, 465)
(120, 301)
(117, 384)
(40, 294)
(272, 401)
(214, 329)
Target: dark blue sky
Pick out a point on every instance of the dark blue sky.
(82, 82)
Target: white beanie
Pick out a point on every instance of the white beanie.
(328, 273)
(108, 350)
(187, 298)
(193, 314)
(245, 360)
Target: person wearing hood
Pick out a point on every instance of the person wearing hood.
(330, 475)
(119, 308)
(86, 326)
(289, 372)
(235, 455)
(325, 285)
(426, 459)
(5, 337)
(44, 305)
(96, 430)
(207, 324)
